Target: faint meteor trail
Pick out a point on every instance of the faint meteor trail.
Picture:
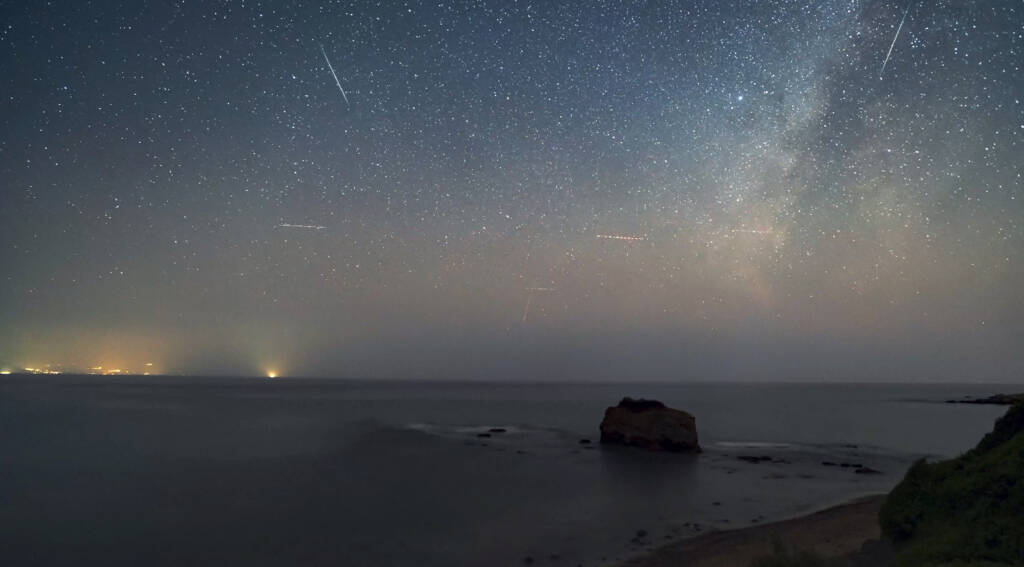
(335, 75)
(529, 300)
(897, 36)
(526, 310)
(621, 237)
(307, 226)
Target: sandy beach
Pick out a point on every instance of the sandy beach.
(833, 532)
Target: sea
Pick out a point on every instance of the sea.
(246, 471)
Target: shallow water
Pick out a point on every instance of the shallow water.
(166, 471)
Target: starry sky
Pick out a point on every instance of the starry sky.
(695, 190)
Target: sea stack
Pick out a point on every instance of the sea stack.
(651, 425)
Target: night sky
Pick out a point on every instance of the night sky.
(713, 189)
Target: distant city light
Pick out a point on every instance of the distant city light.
(32, 370)
(5, 372)
(271, 374)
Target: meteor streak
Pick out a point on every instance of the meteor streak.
(307, 226)
(750, 231)
(335, 75)
(897, 36)
(526, 309)
(621, 237)
(529, 300)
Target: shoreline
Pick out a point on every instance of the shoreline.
(835, 531)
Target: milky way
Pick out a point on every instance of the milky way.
(705, 190)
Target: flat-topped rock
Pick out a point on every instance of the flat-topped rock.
(651, 425)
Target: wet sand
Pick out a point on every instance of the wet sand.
(833, 532)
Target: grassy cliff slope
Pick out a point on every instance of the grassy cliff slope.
(964, 511)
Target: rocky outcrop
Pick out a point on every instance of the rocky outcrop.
(998, 400)
(651, 425)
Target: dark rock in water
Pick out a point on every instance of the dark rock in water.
(584, 441)
(761, 459)
(528, 560)
(830, 464)
(483, 434)
(998, 400)
(651, 425)
(867, 470)
(641, 404)
(497, 430)
(640, 538)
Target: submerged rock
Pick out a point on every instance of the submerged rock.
(651, 425)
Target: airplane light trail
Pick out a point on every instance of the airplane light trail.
(335, 75)
(621, 237)
(308, 226)
(897, 36)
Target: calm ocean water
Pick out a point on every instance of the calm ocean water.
(173, 471)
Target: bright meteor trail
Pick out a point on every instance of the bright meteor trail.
(335, 75)
(897, 36)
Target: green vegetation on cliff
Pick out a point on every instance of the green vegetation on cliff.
(964, 511)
